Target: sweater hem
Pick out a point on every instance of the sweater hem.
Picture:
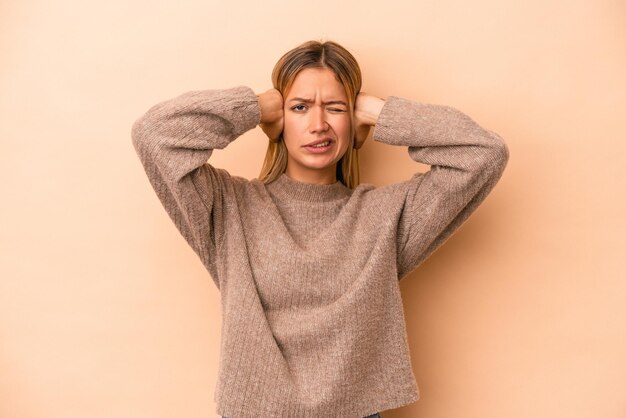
(394, 403)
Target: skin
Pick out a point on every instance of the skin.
(319, 116)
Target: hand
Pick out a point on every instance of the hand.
(272, 115)
(366, 111)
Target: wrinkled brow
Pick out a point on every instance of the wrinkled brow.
(305, 100)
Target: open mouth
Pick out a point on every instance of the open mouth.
(321, 144)
(319, 147)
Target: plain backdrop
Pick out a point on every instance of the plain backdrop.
(106, 312)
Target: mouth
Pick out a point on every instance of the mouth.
(324, 142)
(319, 146)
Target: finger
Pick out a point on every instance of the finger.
(361, 135)
(358, 142)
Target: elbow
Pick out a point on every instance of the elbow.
(498, 155)
(501, 151)
(138, 132)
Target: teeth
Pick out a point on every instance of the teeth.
(323, 144)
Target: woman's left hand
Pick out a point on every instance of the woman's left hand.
(366, 111)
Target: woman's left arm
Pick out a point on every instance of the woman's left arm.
(466, 163)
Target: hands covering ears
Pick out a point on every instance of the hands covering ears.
(366, 111)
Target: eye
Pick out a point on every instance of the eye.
(335, 109)
(298, 107)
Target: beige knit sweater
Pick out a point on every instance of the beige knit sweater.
(313, 323)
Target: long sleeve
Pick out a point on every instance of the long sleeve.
(466, 163)
(174, 139)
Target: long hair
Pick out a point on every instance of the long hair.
(315, 54)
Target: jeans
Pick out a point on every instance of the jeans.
(376, 415)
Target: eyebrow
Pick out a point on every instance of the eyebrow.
(300, 99)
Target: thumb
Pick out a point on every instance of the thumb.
(362, 132)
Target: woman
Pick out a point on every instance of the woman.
(307, 261)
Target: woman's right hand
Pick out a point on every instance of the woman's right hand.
(272, 116)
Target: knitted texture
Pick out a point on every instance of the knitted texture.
(312, 315)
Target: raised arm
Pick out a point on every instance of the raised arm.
(466, 163)
(174, 140)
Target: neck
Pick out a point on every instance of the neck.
(327, 175)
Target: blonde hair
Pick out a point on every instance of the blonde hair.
(315, 54)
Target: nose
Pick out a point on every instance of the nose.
(318, 120)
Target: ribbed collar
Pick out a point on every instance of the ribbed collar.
(288, 188)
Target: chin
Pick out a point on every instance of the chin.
(320, 165)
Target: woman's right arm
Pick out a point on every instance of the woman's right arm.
(174, 140)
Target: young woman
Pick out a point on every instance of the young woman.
(306, 259)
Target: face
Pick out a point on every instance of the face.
(316, 127)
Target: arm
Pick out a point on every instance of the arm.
(466, 162)
(173, 141)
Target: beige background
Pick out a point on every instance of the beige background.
(104, 310)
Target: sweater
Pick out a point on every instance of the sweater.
(308, 274)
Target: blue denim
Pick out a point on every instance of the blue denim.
(376, 415)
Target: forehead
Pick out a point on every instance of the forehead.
(317, 82)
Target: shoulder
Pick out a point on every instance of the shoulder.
(380, 202)
(229, 185)
(249, 190)
(389, 192)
